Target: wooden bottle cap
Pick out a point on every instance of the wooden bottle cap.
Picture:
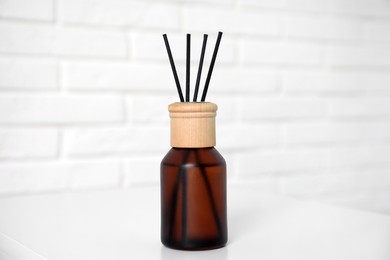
(192, 124)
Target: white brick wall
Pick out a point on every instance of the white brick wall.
(279, 52)
(137, 14)
(28, 74)
(303, 89)
(28, 143)
(113, 76)
(60, 109)
(50, 39)
(29, 177)
(36, 10)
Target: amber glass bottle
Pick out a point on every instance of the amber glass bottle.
(193, 181)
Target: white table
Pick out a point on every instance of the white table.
(124, 224)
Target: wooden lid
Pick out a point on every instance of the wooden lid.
(192, 124)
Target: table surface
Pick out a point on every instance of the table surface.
(125, 224)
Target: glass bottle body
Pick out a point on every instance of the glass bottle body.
(193, 199)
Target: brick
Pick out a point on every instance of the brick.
(60, 109)
(324, 27)
(359, 56)
(335, 82)
(28, 143)
(50, 39)
(308, 5)
(227, 107)
(142, 170)
(316, 133)
(214, 2)
(373, 178)
(263, 3)
(139, 14)
(231, 21)
(265, 163)
(117, 76)
(28, 74)
(25, 9)
(242, 136)
(375, 201)
(150, 47)
(283, 53)
(296, 160)
(378, 31)
(151, 109)
(282, 108)
(57, 176)
(238, 80)
(117, 140)
(359, 155)
(360, 107)
(375, 8)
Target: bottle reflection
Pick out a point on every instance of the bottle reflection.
(217, 254)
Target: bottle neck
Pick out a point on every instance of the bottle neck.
(192, 124)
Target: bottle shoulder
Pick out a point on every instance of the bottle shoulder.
(197, 156)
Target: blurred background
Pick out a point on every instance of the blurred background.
(303, 89)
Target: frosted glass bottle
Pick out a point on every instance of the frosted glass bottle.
(193, 181)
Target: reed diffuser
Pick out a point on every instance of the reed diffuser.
(193, 173)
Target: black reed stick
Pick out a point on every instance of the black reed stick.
(200, 67)
(179, 181)
(184, 203)
(206, 86)
(209, 193)
(188, 61)
(173, 68)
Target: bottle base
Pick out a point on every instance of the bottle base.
(195, 245)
